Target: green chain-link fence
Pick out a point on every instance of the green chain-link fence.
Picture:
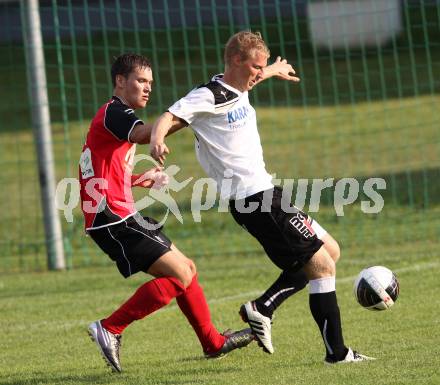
(367, 106)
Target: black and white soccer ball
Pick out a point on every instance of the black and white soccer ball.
(376, 288)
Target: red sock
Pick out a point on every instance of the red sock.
(148, 298)
(193, 304)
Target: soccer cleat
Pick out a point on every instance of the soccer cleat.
(260, 325)
(234, 340)
(351, 356)
(108, 344)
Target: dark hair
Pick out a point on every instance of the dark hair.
(125, 64)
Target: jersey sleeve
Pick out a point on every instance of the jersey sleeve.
(120, 120)
(198, 101)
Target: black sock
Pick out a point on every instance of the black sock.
(325, 311)
(287, 284)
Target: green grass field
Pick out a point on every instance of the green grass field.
(44, 318)
(45, 315)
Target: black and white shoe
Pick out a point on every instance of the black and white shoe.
(261, 325)
(351, 356)
(234, 340)
(108, 344)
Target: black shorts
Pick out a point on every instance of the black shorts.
(287, 237)
(133, 244)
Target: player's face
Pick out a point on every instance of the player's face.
(251, 70)
(136, 88)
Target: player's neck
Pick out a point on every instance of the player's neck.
(120, 97)
(231, 80)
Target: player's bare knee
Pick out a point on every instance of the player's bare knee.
(331, 246)
(331, 268)
(335, 251)
(327, 266)
(192, 267)
(321, 265)
(186, 276)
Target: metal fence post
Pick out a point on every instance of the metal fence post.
(37, 88)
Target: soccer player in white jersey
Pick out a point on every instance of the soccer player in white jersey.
(228, 145)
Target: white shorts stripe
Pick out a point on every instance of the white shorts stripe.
(148, 236)
(123, 251)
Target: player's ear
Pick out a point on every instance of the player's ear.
(120, 80)
(237, 60)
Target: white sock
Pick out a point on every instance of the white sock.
(322, 285)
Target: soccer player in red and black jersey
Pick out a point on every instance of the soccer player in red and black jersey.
(133, 242)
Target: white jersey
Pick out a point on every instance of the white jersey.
(227, 144)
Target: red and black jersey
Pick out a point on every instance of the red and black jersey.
(105, 166)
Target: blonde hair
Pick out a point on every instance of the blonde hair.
(245, 44)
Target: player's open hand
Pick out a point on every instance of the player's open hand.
(158, 177)
(158, 151)
(282, 70)
(153, 178)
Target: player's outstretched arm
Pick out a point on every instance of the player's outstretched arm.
(166, 124)
(280, 69)
(141, 133)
